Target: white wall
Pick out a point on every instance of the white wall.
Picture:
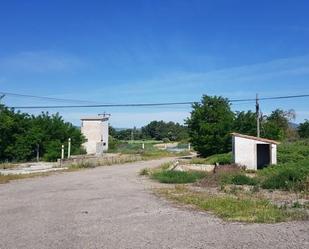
(273, 154)
(96, 132)
(245, 152)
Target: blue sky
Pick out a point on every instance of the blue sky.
(154, 51)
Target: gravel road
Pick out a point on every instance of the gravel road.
(112, 207)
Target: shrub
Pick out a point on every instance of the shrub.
(221, 159)
(144, 172)
(241, 209)
(244, 180)
(290, 176)
(169, 176)
(293, 152)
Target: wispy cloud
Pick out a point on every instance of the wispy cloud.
(39, 62)
(280, 76)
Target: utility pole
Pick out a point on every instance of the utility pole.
(257, 115)
(132, 135)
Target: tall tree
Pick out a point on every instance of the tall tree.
(160, 130)
(210, 125)
(21, 135)
(303, 129)
(245, 123)
(276, 125)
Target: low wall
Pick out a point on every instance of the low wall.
(106, 159)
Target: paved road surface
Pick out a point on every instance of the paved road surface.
(112, 207)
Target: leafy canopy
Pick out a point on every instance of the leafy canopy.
(22, 134)
(210, 125)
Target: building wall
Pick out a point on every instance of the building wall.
(273, 154)
(245, 152)
(96, 133)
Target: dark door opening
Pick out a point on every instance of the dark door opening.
(263, 155)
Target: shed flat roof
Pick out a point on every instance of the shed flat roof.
(255, 138)
(102, 118)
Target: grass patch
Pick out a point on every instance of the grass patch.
(8, 178)
(170, 176)
(289, 176)
(221, 159)
(8, 165)
(243, 180)
(149, 151)
(233, 209)
(293, 152)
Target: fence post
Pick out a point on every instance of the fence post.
(69, 148)
(62, 152)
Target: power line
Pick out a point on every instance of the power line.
(104, 105)
(45, 98)
(153, 104)
(272, 98)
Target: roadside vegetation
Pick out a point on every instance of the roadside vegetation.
(274, 194)
(148, 152)
(23, 135)
(221, 159)
(8, 178)
(169, 176)
(232, 208)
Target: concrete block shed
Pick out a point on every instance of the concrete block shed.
(95, 130)
(252, 152)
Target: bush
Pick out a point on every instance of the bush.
(293, 152)
(244, 180)
(169, 176)
(221, 159)
(166, 140)
(144, 172)
(289, 176)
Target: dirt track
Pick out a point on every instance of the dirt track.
(112, 207)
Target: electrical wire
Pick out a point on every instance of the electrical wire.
(44, 97)
(161, 104)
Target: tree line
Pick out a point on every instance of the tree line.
(155, 130)
(23, 135)
(208, 129)
(212, 121)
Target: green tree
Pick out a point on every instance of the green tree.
(210, 125)
(303, 129)
(160, 130)
(20, 135)
(245, 123)
(276, 125)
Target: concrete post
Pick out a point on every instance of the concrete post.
(189, 146)
(37, 152)
(143, 146)
(62, 152)
(69, 147)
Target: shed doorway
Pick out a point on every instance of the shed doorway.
(263, 155)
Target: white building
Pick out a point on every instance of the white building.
(252, 152)
(95, 130)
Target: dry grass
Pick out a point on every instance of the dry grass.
(8, 165)
(8, 178)
(232, 208)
